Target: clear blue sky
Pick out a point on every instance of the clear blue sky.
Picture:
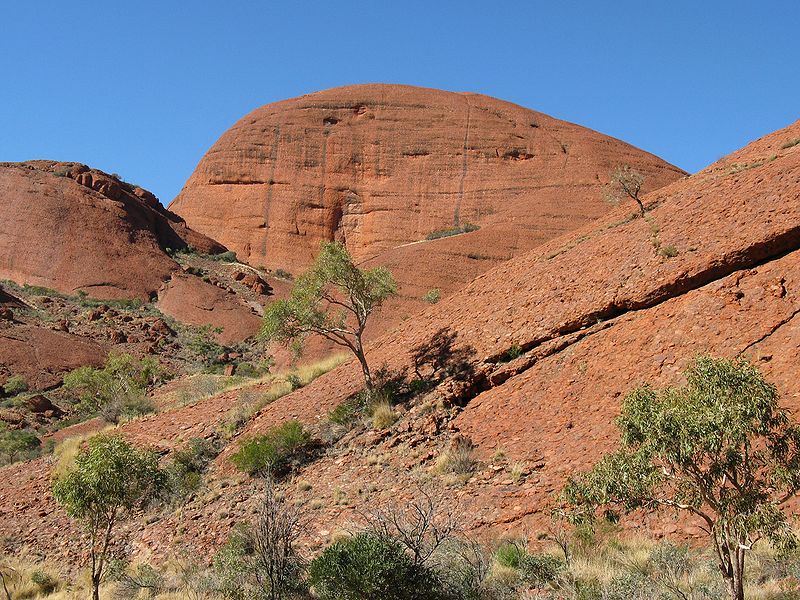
(144, 88)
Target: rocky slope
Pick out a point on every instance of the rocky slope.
(529, 361)
(66, 227)
(381, 166)
(71, 228)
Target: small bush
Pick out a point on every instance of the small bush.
(668, 251)
(433, 296)
(281, 274)
(142, 578)
(511, 555)
(128, 407)
(459, 457)
(185, 472)
(349, 411)
(630, 585)
(515, 351)
(538, 570)
(17, 444)
(371, 566)
(790, 143)
(442, 233)
(15, 385)
(44, 581)
(119, 385)
(294, 380)
(203, 345)
(228, 257)
(276, 451)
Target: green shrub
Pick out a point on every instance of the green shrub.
(15, 385)
(230, 571)
(668, 251)
(349, 411)
(515, 351)
(17, 444)
(511, 555)
(790, 143)
(538, 570)
(203, 345)
(228, 257)
(433, 296)
(442, 233)
(173, 252)
(185, 472)
(294, 381)
(44, 581)
(276, 451)
(282, 274)
(369, 566)
(131, 405)
(119, 384)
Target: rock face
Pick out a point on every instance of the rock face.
(68, 227)
(193, 301)
(380, 166)
(42, 356)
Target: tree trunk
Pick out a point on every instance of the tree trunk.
(359, 352)
(95, 588)
(735, 580)
(641, 206)
(365, 371)
(735, 587)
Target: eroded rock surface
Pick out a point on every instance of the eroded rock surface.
(71, 228)
(379, 166)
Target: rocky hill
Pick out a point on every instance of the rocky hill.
(529, 362)
(382, 167)
(71, 228)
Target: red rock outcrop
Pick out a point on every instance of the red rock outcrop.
(68, 227)
(714, 267)
(42, 356)
(196, 302)
(380, 166)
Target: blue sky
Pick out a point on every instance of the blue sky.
(144, 88)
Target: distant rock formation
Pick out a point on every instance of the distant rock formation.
(380, 166)
(71, 228)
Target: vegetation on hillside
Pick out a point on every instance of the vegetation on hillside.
(718, 448)
(334, 299)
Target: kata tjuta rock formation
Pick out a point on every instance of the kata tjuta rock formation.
(74, 229)
(532, 359)
(380, 166)
(71, 228)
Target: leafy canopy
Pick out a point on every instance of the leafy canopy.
(719, 447)
(16, 443)
(333, 299)
(123, 378)
(626, 182)
(108, 478)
